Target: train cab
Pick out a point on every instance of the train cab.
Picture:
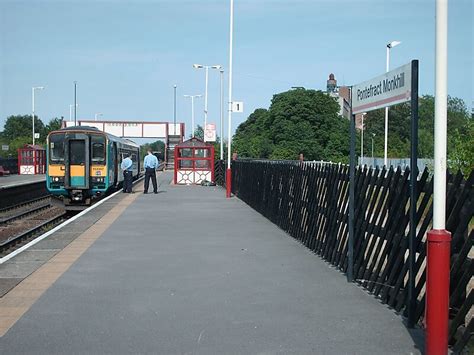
(83, 163)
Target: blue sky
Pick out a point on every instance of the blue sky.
(126, 55)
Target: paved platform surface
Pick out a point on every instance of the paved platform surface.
(187, 271)
(16, 180)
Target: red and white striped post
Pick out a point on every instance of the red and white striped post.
(439, 239)
(228, 173)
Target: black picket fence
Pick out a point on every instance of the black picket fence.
(219, 172)
(310, 201)
(10, 164)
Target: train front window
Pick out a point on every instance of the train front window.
(98, 149)
(77, 152)
(56, 148)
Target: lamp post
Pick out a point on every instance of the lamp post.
(373, 161)
(222, 114)
(439, 239)
(33, 107)
(192, 111)
(390, 45)
(206, 67)
(229, 123)
(362, 139)
(97, 114)
(174, 110)
(70, 112)
(75, 103)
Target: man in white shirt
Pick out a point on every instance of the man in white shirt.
(151, 164)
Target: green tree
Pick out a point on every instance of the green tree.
(198, 132)
(21, 126)
(157, 147)
(53, 125)
(399, 128)
(298, 121)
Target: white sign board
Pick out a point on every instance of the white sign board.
(37, 135)
(5, 147)
(210, 133)
(238, 106)
(385, 90)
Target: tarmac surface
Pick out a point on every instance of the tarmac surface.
(17, 180)
(188, 271)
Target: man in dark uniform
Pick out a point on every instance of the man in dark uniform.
(126, 167)
(151, 164)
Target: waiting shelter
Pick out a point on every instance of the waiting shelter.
(31, 160)
(193, 162)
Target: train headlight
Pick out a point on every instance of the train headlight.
(56, 179)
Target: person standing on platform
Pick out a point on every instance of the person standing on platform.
(151, 164)
(126, 167)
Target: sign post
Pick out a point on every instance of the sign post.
(394, 87)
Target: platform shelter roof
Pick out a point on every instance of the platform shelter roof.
(193, 143)
(33, 147)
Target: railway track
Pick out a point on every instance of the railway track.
(21, 223)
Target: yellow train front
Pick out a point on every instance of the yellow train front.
(84, 163)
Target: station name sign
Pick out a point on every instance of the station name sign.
(385, 90)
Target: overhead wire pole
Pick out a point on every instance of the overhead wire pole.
(439, 239)
(229, 130)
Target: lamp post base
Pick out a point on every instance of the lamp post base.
(228, 182)
(437, 291)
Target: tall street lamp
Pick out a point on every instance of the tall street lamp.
(75, 103)
(229, 137)
(70, 112)
(206, 67)
(222, 113)
(97, 114)
(390, 45)
(33, 105)
(174, 110)
(192, 111)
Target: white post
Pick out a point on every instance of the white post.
(229, 128)
(385, 147)
(205, 98)
(362, 140)
(440, 124)
(222, 114)
(229, 123)
(192, 115)
(33, 106)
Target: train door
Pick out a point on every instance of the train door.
(115, 163)
(78, 169)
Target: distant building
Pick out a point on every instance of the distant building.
(341, 94)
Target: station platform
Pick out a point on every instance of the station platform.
(17, 180)
(187, 271)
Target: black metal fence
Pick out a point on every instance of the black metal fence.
(10, 164)
(219, 172)
(310, 201)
